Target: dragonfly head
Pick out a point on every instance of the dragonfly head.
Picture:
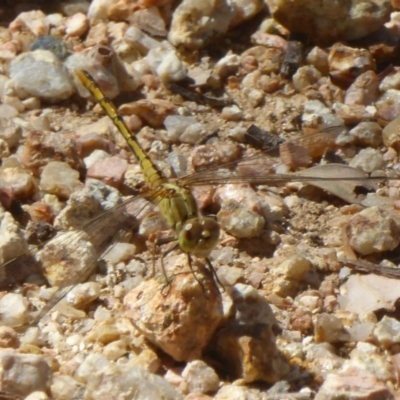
(199, 236)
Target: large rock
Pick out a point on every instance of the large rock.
(180, 321)
(328, 21)
(194, 22)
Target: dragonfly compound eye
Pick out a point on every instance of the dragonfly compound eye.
(199, 236)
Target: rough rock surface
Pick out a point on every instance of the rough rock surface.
(167, 320)
(319, 19)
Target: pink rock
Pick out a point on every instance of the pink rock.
(353, 385)
(266, 39)
(111, 171)
(89, 142)
(20, 181)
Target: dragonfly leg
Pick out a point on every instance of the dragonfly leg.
(195, 276)
(214, 275)
(210, 270)
(167, 280)
(153, 261)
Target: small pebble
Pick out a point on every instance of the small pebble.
(115, 350)
(21, 181)
(65, 386)
(388, 106)
(355, 113)
(8, 337)
(176, 126)
(13, 310)
(41, 64)
(166, 64)
(95, 156)
(193, 133)
(390, 81)
(35, 21)
(364, 90)
(342, 60)
(199, 378)
(227, 65)
(25, 373)
(305, 76)
(60, 179)
(14, 102)
(295, 267)
(318, 58)
(239, 221)
(83, 294)
(367, 134)
(228, 275)
(150, 20)
(7, 111)
(391, 134)
(349, 384)
(76, 25)
(255, 97)
(367, 357)
(139, 40)
(120, 252)
(31, 103)
(153, 112)
(232, 113)
(195, 32)
(372, 231)
(330, 329)
(129, 379)
(110, 170)
(368, 160)
(387, 331)
(311, 303)
(51, 43)
(12, 244)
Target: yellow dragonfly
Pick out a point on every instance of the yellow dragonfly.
(196, 235)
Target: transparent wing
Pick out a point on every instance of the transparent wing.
(261, 169)
(71, 257)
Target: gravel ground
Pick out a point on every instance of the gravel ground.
(304, 303)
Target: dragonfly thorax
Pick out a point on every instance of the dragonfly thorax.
(198, 236)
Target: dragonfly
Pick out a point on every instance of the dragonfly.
(196, 235)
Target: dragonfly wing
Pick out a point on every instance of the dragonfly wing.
(71, 257)
(341, 180)
(338, 179)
